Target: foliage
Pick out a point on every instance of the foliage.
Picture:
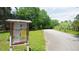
(39, 18)
(65, 25)
(76, 23)
(5, 13)
(54, 23)
(69, 26)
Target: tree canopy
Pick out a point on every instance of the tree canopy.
(54, 23)
(39, 18)
(76, 23)
(65, 25)
(5, 13)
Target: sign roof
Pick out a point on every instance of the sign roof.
(17, 20)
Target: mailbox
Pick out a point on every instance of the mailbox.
(19, 32)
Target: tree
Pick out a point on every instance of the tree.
(54, 23)
(39, 18)
(64, 26)
(28, 13)
(5, 13)
(76, 23)
(44, 19)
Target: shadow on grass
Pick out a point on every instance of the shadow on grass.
(4, 31)
(77, 36)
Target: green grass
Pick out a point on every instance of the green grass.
(71, 32)
(4, 44)
(37, 42)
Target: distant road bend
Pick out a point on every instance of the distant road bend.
(60, 41)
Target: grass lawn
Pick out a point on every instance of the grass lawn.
(37, 42)
(71, 32)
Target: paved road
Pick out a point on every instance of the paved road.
(60, 41)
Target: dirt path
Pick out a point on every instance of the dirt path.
(60, 41)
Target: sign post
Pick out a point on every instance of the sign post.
(19, 32)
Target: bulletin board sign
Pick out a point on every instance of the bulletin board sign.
(19, 32)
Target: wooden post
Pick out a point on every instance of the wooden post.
(27, 39)
(10, 43)
(11, 36)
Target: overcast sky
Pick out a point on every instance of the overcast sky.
(62, 13)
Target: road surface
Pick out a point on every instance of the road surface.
(60, 41)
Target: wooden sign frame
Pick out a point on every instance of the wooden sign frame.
(12, 43)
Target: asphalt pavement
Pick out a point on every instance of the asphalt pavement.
(60, 41)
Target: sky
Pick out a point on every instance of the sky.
(62, 13)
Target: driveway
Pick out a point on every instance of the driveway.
(60, 41)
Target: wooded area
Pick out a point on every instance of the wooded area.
(69, 25)
(39, 17)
